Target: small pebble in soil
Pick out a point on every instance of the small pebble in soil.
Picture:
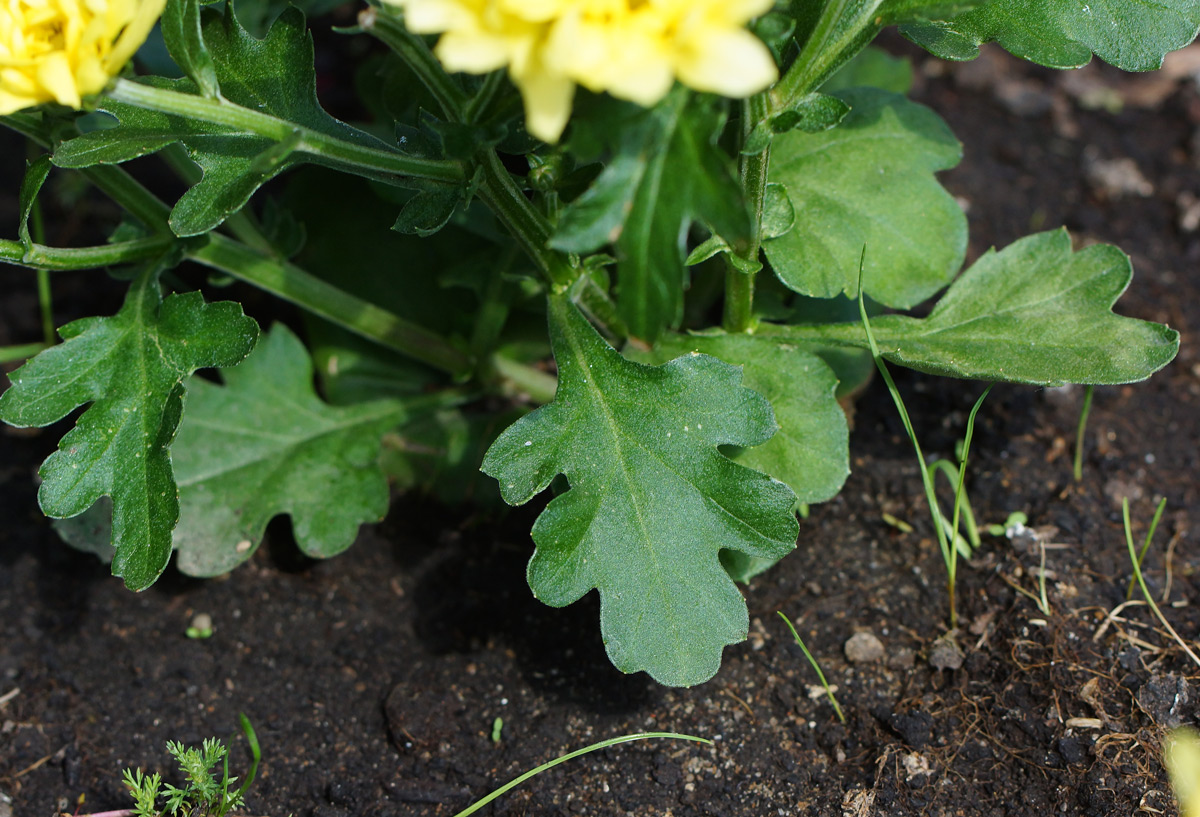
(862, 648)
(945, 653)
(903, 658)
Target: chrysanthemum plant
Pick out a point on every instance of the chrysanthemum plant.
(679, 191)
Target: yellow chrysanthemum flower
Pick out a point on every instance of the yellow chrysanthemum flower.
(63, 50)
(633, 49)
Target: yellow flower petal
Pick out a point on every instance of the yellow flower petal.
(548, 100)
(730, 62)
(472, 51)
(633, 49)
(63, 50)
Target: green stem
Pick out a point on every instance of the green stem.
(483, 97)
(389, 29)
(926, 477)
(837, 36)
(304, 289)
(286, 280)
(528, 226)
(364, 160)
(1141, 557)
(1080, 433)
(596, 303)
(752, 171)
(478, 804)
(538, 385)
(45, 296)
(41, 257)
(11, 354)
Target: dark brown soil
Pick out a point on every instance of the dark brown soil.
(374, 679)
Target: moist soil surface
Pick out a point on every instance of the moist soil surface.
(376, 680)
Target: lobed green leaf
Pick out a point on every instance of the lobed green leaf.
(264, 444)
(130, 367)
(1133, 35)
(1036, 312)
(869, 181)
(652, 501)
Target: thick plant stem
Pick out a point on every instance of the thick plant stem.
(40, 257)
(752, 170)
(324, 299)
(523, 221)
(365, 160)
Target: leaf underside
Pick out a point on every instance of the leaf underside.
(652, 501)
(264, 444)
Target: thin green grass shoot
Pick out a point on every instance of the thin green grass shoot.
(604, 744)
(945, 537)
(815, 666)
(1039, 598)
(24, 351)
(1137, 574)
(1141, 557)
(967, 545)
(1081, 430)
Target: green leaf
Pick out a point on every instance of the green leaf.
(810, 453)
(131, 368)
(666, 171)
(273, 76)
(1035, 312)
(35, 176)
(1131, 34)
(428, 211)
(264, 444)
(185, 43)
(652, 501)
(870, 181)
(812, 113)
(876, 68)
(779, 216)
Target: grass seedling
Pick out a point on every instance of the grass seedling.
(815, 666)
(1137, 575)
(604, 744)
(968, 545)
(1040, 599)
(202, 795)
(945, 536)
(1141, 557)
(1080, 430)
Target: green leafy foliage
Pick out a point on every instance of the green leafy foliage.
(666, 171)
(1131, 34)
(810, 451)
(1035, 312)
(869, 181)
(264, 444)
(131, 368)
(273, 76)
(652, 501)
